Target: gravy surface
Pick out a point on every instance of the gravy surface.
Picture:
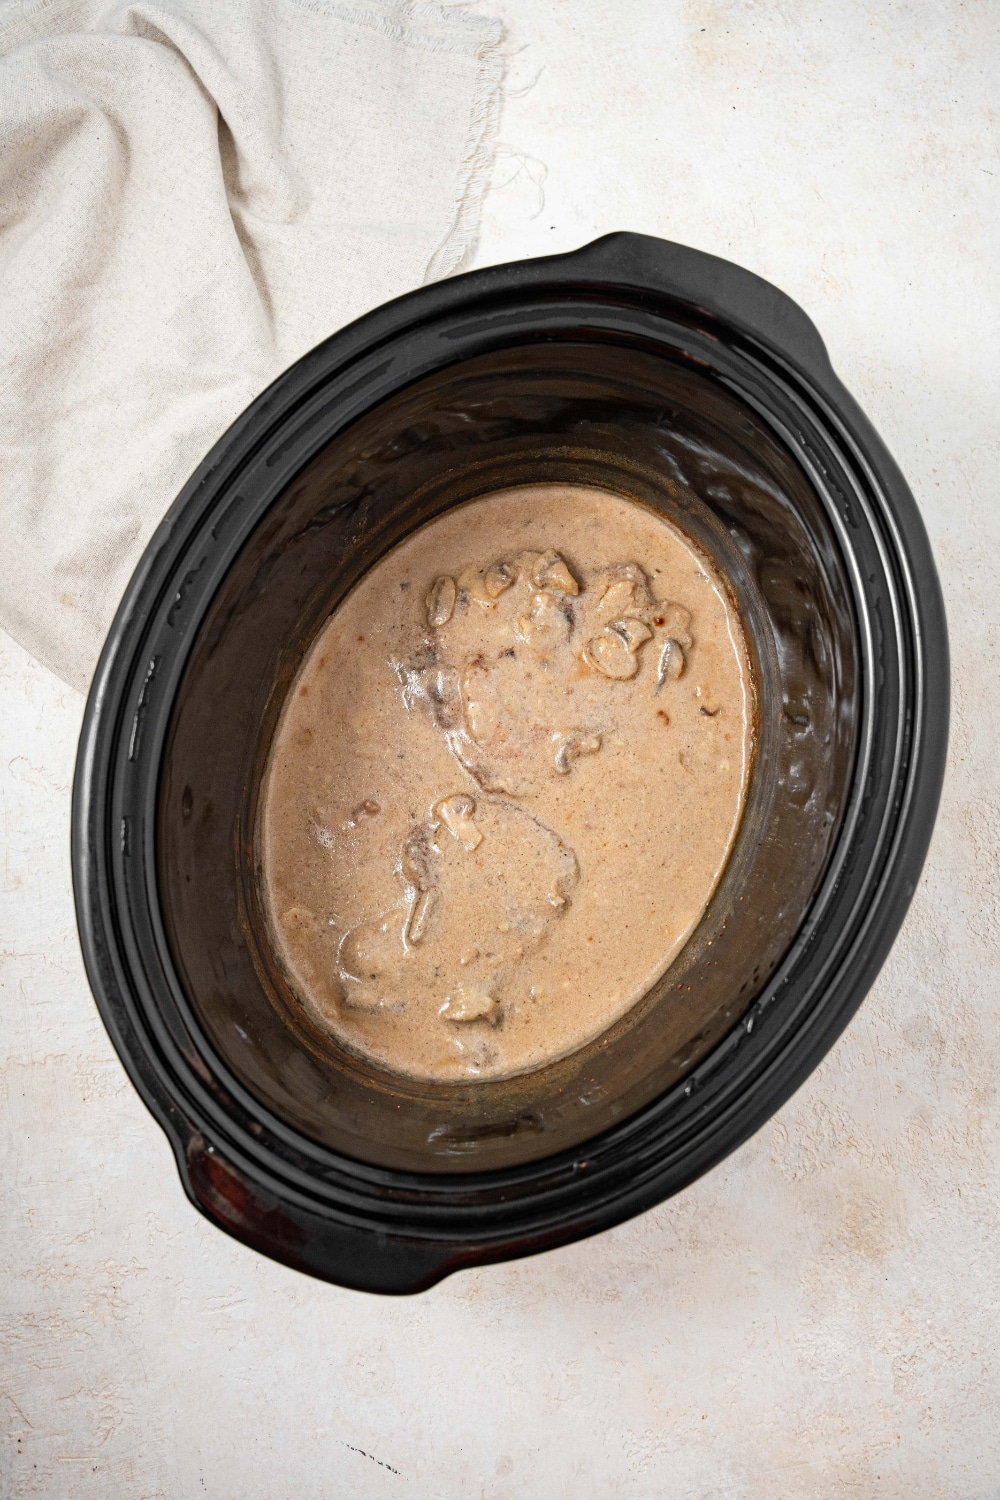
(505, 782)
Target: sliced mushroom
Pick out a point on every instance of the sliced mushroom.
(617, 598)
(458, 816)
(420, 915)
(470, 1003)
(472, 582)
(626, 593)
(633, 632)
(498, 578)
(441, 601)
(671, 664)
(610, 655)
(571, 746)
(416, 861)
(615, 651)
(442, 688)
(550, 572)
(369, 950)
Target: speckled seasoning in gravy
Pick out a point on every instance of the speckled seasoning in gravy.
(506, 782)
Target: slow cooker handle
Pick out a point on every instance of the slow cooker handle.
(728, 293)
(304, 1237)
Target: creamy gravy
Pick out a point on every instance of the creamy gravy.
(505, 782)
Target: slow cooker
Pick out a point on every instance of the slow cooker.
(662, 374)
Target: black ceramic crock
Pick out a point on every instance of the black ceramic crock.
(663, 374)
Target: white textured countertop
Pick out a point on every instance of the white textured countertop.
(819, 1316)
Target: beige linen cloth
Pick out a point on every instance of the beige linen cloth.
(192, 194)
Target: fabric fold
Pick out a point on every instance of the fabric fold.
(193, 193)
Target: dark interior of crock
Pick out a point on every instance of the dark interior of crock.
(659, 431)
